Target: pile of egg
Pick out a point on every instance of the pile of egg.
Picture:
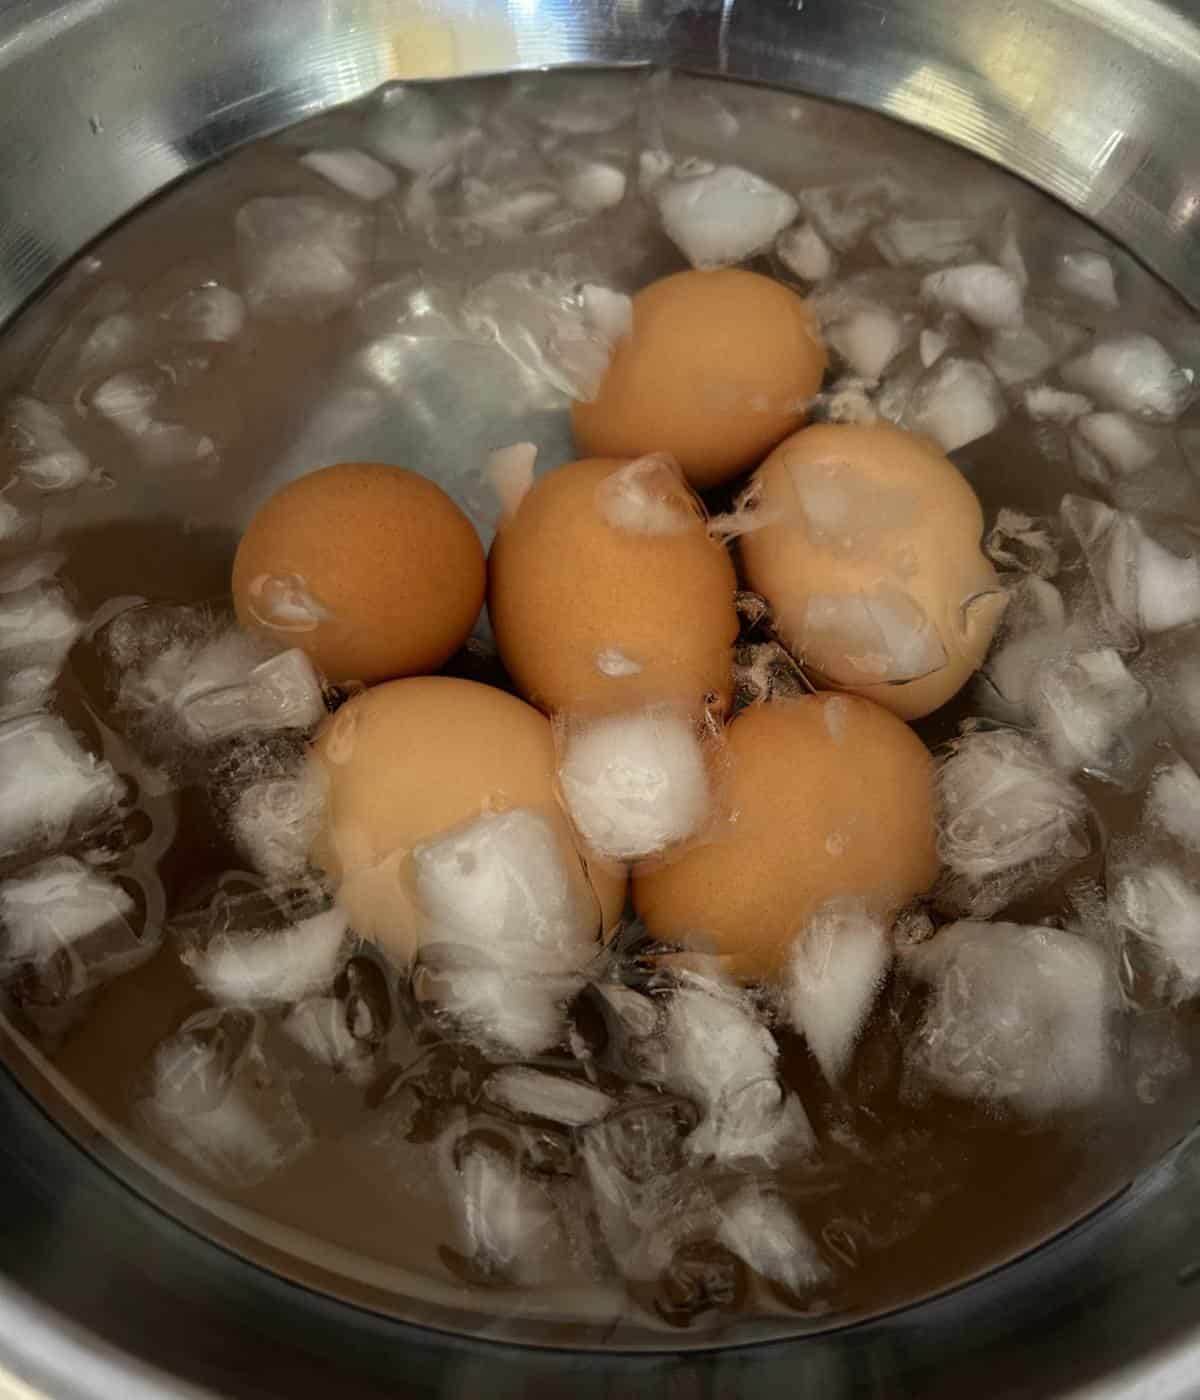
(614, 600)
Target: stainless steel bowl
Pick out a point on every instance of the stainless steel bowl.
(105, 102)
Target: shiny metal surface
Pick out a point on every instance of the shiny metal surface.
(104, 102)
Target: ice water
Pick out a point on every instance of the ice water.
(400, 280)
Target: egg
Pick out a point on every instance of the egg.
(370, 569)
(412, 760)
(606, 592)
(830, 797)
(719, 366)
(868, 553)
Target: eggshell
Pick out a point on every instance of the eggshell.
(409, 760)
(718, 367)
(830, 797)
(372, 570)
(869, 555)
(606, 592)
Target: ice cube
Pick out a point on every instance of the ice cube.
(1090, 276)
(210, 314)
(270, 967)
(931, 346)
(635, 784)
(1018, 354)
(1035, 624)
(557, 1097)
(985, 293)
(724, 215)
(843, 213)
(1084, 703)
(907, 242)
(870, 638)
(497, 212)
(1106, 447)
(718, 1053)
(1156, 911)
(213, 1099)
(506, 1222)
(1046, 404)
(1134, 374)
(416, 131)
(17, 524)
(506, 886)
(54, 905)
(301, 257)
(1007, 819)
(1173, 802)
(45, 454)
(805, 253)
(1023, 542)
(1019, 1016)
(513, 1012)
(1141, 584)
(38, 626)
(608, 313)
(343, 1031)
(280, 693)
(834, 972)
(49, 784)
(510, 470)
(593, 185)
(765, 1234)
(353, 172)
(957, 402)
(649, 497)
(128, 400)
(276, 821)
(868, 340)
(547, 326)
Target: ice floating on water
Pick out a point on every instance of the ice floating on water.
(868, 340)
(906, 242)
(1134, 374)
(301, 256)
(765, 1234)
(46, 456)
(1044, 403)
(561, 1099)
(635, 785)
(270, 967)
(722, 216)
(510, 470)
(834, 972)
(505, 886)
(805, 253)
(209, 314)
(49, 785)
(1019, 1016)
(868, 639)
(984, 293)
(844, 213)
(353, 172)
(1007, 820)
(506, 1222)
(957, 402)
(593, 185)
(417, 132)
(1173, 802)
(1085, 703)
(282, 692)
(1089, 275)
(1035, 631)
(1108, 446)
(1156, 910)
(212, 1098)
(1017, 355)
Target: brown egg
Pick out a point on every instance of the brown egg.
(831, 797)
(413, 759)
(718, 367)
(870, 558)
(606, 592)
(372, 570)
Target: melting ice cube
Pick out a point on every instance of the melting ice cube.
(1156, 911)
(506, 1222)
(1090, 276)
(210, 314)
(868, 339)
(1084, 703)
(805, 253)
(267, 967)
(212, 1098)
(1007, 818)
(985, 293)
(649, 497)
(1173, 802)
(635, 784)
(957, 402)
(276, 820)
(870, 638)
(906, 242)
(353, 172)
(49, 784)
(723, 215)
(1019, 1016)
(46, 456)
(301, 257)
(557, 1097)
(1134, 374)
(834, 972)
(765, 1234)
